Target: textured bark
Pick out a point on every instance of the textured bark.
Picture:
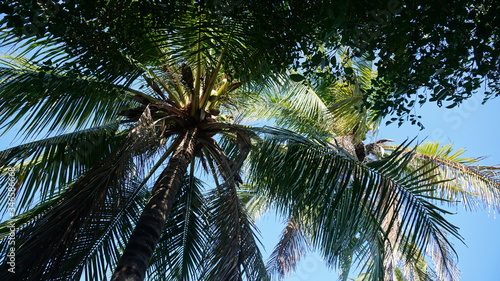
(347, 144)
(142, 243)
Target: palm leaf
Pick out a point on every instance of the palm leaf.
(288, 252)
(42, 166)
(47, 100)
(81, 208)
(292, 105)
(331, 189)
(179, 253)
(233, 251)
(350, 113)
(102, 194)
(98, 244)
(475, 185)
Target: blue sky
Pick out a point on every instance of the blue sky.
(471, 126)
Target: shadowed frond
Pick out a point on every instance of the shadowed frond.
(179, 253)
(233, 249)
(288, 252)
(341, 196)
(78, 232)
(46, 99)
(96, 247)
(44, 251)
(41, 167)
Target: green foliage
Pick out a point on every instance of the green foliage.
(45, 166)
(161, 68)
(52, 99)
(329, 108)
(450, 49)
(106, 134)
(306, 177)
(90, 218)
(346, 207)
(180, 252)
(468, 183)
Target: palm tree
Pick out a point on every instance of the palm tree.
(84, 205)
(355, 202)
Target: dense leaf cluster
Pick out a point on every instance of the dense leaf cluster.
(449, 48)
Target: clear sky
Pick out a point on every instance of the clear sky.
(472, 126)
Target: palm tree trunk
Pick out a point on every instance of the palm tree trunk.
(347, 144)
(142, 243)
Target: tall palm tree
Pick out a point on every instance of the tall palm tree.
(84, 206)
(354, 201)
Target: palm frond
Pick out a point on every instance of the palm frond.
(329, 110)
(86, 52)
(288, 252)
(45, 99)
(99, 196)
(234, 250)
(97, 255)
(44, 251)
(43, 166)
(389, 257)
(477, 186)
(292, 105)
(256, 203)
(332, 190)
(97, 246)
(349, 113)
(179, 253)
(27, 217)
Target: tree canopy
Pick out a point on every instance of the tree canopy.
(449, 48)
(141, 83)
